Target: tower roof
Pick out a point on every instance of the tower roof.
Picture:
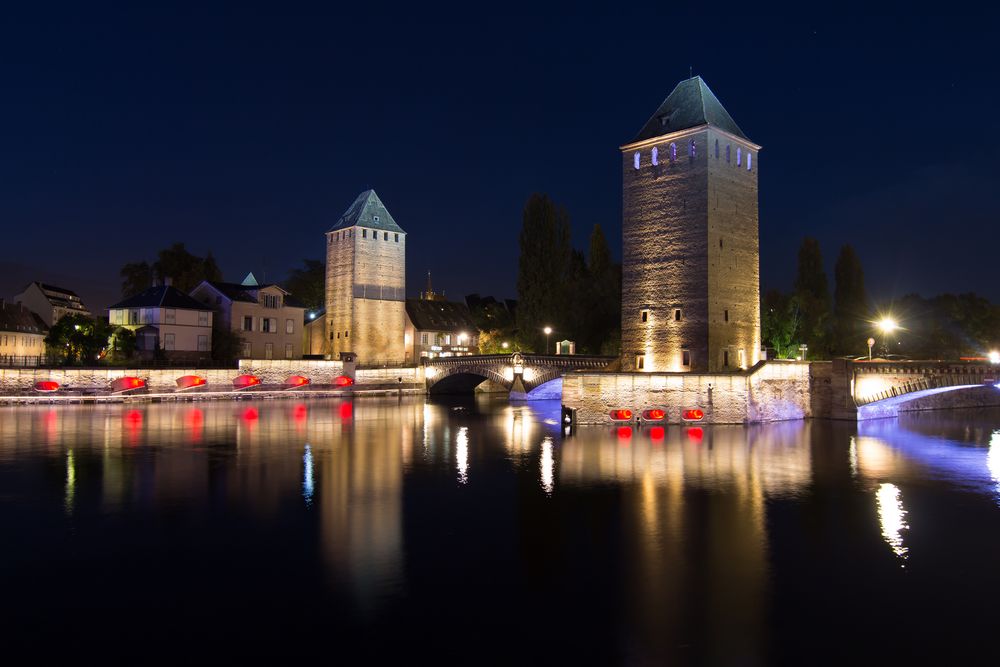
(368, 211)
(690, 104)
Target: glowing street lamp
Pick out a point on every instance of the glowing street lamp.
(505, 345)
(994, 357)
(548, 331)
(887, 325)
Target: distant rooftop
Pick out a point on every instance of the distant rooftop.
(368, 211)
(690, 104)
(16, 318)
(440, 316)
(161, 296)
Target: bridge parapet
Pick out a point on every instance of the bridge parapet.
(874, 381)
(533, 370)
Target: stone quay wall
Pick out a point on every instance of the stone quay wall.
(771, 391)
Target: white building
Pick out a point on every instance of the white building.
(166, 319)
(51, 302)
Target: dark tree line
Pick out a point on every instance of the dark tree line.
(577, 295)
(185, 270)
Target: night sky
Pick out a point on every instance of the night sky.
(248, 130)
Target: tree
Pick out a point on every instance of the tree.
(780, 320)
(227, 345)
(122, 345)
(79, 339)
(308, 284)
(850, 304)
(542, 289)
(813, 297)
(604, 292)
(136, 277)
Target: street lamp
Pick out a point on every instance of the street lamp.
(505, 345)
(886, 325)
(548, 331)
(994, 357)
(871, 341)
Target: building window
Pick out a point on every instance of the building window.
(725, 315)
(289, 326)
(725, 358)
(686, 358)
(749, 158)
(386, 237)
(375, 218)
(247, 350)
(170, 316)
(423, 338)
(635, 159)
(168, 341)
(346, 333)
(720, 243)
(677, 314)
(338, 336)
(691, 149)
(269, 350)
(741, 358)
(728, 147)
(364, 233)
(716, 149)
(739, 156)
(202, 343)
(288, 350)
(644, 315)
(397, 238)
(656, 156)
(673, 153)
(247, 323)
(640, 362)
(202, 318)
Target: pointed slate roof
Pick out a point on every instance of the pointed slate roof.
(690, 104)
(368, 211)
(160, 296)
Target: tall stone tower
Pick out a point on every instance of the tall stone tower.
(691, 261)
(366, 284)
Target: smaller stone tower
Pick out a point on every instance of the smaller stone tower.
(366, 284)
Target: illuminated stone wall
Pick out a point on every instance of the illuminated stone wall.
(370, 326)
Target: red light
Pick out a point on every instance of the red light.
(195, 419)
(133, 424)
(190, 381)
(244, 381)
(127, 384)
(250, 414)
(694, 415)
(621, 415)
(343, 381)
(655, 415)
(624, 432)
(656, 433)
(346, 411)
(296, 381)
(300, 412)
(46, 386)
(695, 434)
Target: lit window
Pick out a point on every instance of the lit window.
(635, 159)
(677, 314)
(644, 314)
(288, 350)
(691, 149)
(728, 153)
(686, 358)
(739, 156)
(673, 152)
(640, 362)
(739, 354)
(289, 326)
(656, 156)
(749, 158)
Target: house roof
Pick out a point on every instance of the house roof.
(248, 293)
(16, 318)
(161, 296)
(59, 296)
(368, 211)
(439, 316)
(690, 104)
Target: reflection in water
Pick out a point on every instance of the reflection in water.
(993, 461)
(892, 517)
(70, 480)
(307, 476)
(547, 466)
(462, 454)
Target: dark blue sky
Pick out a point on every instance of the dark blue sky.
(249, 129)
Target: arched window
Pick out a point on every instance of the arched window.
(673, 152)
(716, 149)
(656, 156)
(636, 159)
(691, 149)
(728, 153)
(739, 156)
(749, 158)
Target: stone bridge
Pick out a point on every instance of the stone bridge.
(525, 376)
(884, 388)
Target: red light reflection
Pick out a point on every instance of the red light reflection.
(695, 434)
(346, 411)
(657, 433)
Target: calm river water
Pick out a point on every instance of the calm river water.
(477, 533)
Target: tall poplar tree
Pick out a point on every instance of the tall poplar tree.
(542, 289)
(813, 296)
(851, 311)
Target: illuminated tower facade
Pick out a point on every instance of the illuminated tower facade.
(366, 284)
(690, 251)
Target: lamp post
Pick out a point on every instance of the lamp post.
(871, 341)
(548, 331)
(886, 325)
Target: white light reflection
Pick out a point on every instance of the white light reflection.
(307, 476)
(892, 517)
(853, 456)
(993, 459)
(70, 480)
(462, 454)
(547, 467)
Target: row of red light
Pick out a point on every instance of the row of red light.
(656, 415)
(129, 383)
(658, 433)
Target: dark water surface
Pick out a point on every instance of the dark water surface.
(476, 533)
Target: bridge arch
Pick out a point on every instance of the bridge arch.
(463, 379)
